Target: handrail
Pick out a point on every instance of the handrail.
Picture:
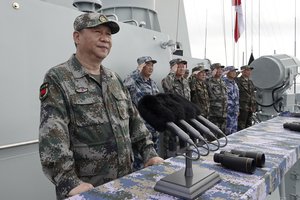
(131, 20)
(112, 15)
(18, 144)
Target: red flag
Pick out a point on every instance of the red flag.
(239, 19)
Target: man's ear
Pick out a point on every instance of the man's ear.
(76, 37)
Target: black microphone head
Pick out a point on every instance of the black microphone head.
(175, 107)
(154, 112)
(191, 109)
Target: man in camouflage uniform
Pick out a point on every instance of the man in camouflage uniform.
(233, 99)
(88, 124)
(175, 82)
(139, 84)
(186, 74)
(217, 92)
(199, 93)
(247, 98)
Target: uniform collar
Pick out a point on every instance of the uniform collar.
(78, 70)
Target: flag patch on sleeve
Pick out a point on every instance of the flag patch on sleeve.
(44, 89)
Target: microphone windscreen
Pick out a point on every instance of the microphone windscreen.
(174, 106)
(189, 107)
(154, 113)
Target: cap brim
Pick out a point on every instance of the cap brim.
(251, 68)
(153, 61)
(114, 26)
(183, 61)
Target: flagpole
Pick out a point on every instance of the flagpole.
(295, 30)
(245, 29)
(251, 26)
(233, 43)
(258, 28)
(205, 34)
(295, 47)
(224, 33)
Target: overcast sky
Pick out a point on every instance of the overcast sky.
(277, 18)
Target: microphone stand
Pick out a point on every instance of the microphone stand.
(190, 182)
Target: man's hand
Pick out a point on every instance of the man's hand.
(174, 68)
(213, 73)
(83, 187)
(153, 161)
(141, 66)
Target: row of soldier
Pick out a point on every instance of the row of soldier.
(225, 99)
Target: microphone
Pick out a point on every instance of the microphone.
(210, 125)
(194, 112)
(162, 114)
(180, 113)
(160, 117)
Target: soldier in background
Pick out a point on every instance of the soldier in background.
(217, 92)
(233, 99)
(139, 84)
(175, 82)
(88, 124)
(186, 74)
(199, 93)
(247, 98)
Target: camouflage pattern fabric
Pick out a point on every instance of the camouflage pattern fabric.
(247, 102)
(88, 130)
(174, 85)
(280, 146)
(232, 107)
(139, 87)
(199, 95)
(217, 92)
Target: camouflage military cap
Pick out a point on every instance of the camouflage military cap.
(145, 59)
(199, 68)
(216, 65)
(230, 68)
(177, 61)
(90, 20)
(246, 67)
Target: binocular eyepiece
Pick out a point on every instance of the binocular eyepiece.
(259, 157)
(240, 160)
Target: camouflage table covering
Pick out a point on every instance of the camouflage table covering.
(281, 148)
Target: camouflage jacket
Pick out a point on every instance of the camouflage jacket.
(217, 92)
(180, 86)
(233, 96)
(247, 95)
(87, 130)
(199, 95)
(139, 87)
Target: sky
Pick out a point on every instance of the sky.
(275, 34)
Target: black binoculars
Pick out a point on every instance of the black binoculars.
(242, 161)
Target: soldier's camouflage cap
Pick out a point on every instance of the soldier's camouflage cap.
(216, 65)
(90, 20)
(199, 68)
(246, 67)
(230, 68)
(145, 59)
(177, 61)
